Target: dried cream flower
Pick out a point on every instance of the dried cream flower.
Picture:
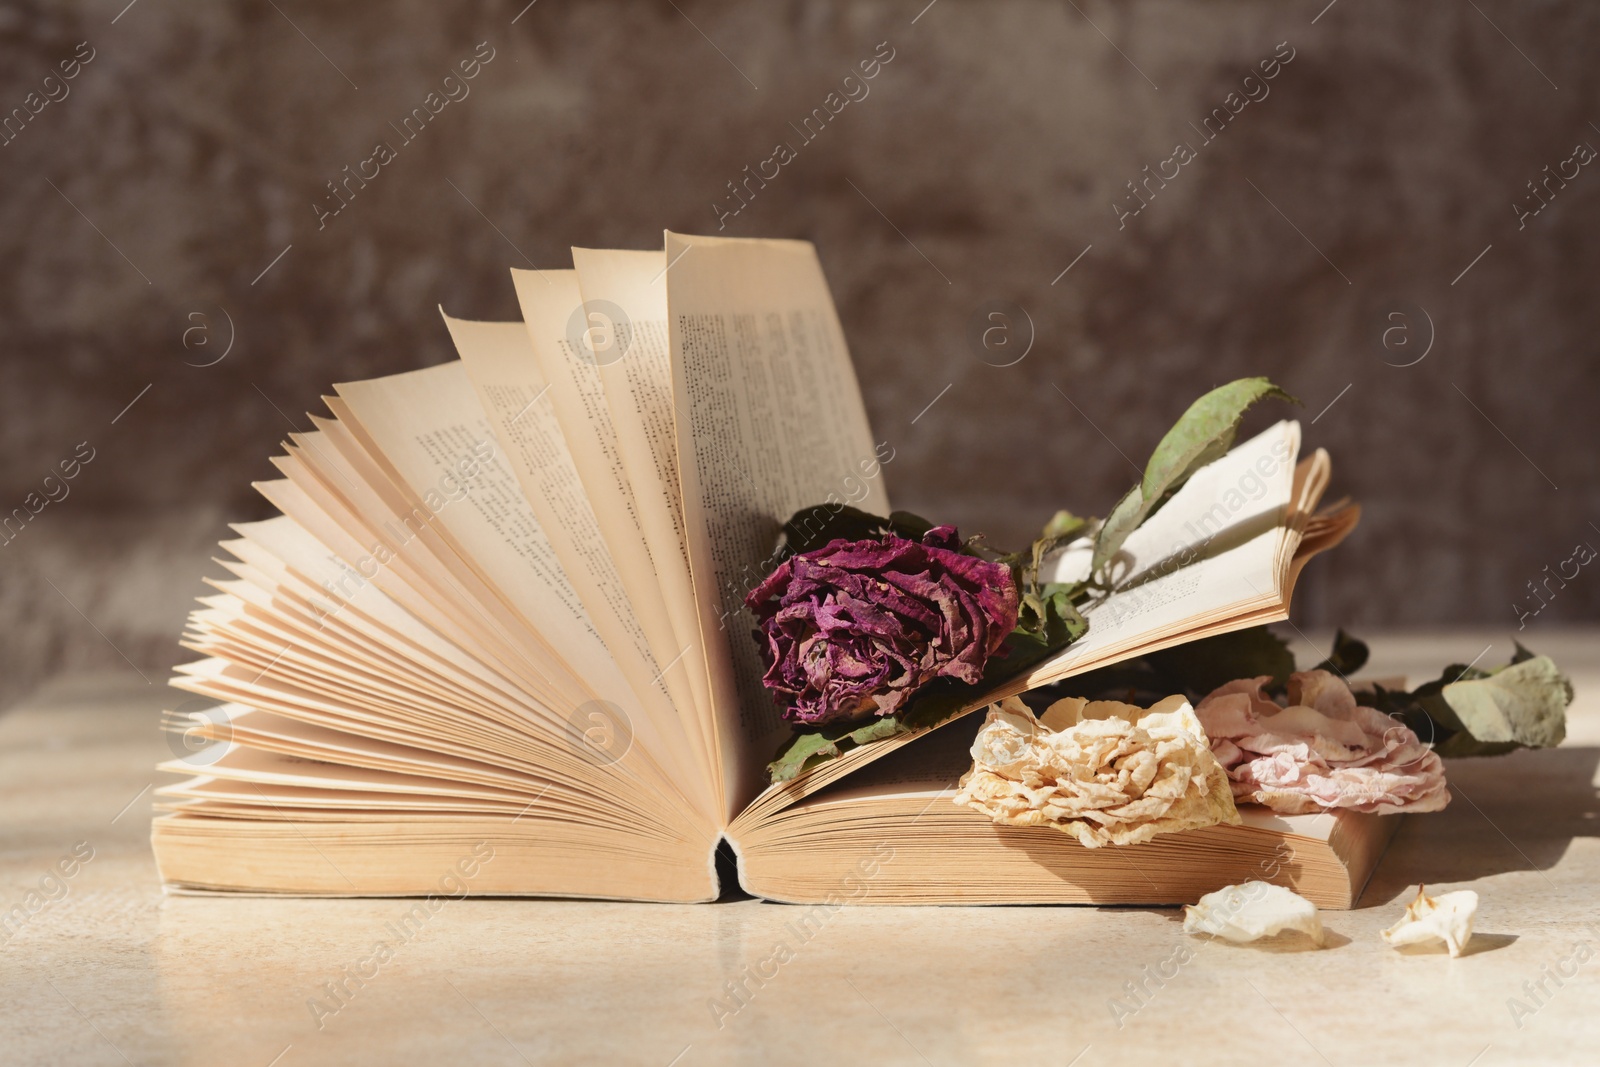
(1105, 772)
(1446, 917)
(1250, 911)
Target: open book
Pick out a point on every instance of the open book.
(496, 638)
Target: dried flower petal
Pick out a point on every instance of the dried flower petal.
(1252, 910)
(1105, 772)
(1322, 751)
(1446, 917)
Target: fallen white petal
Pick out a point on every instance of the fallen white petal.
(1446, 917)
(1252, 910)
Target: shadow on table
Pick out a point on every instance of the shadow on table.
(1479, 944)
(1517, 812)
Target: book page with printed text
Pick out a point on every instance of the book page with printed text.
(630, 618)
(770, 421)
(625, 304)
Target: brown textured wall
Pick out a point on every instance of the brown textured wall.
(1386, 155)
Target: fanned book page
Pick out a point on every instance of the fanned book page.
(627, 611)
(561, 352)
(624, 326)
(770, 421)
(424, 422)
(499, 625)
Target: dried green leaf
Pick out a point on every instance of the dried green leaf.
(1472, 712)
(1063, 524)
(816, 745)
(812, 528)
(1203, 434)
(800, 750)
(1524, 704)
(908, 525)
(1348, 656)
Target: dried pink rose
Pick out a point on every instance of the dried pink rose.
(1321, 751)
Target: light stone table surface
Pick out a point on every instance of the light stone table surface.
(114, 971)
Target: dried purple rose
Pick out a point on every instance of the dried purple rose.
(856, 627)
